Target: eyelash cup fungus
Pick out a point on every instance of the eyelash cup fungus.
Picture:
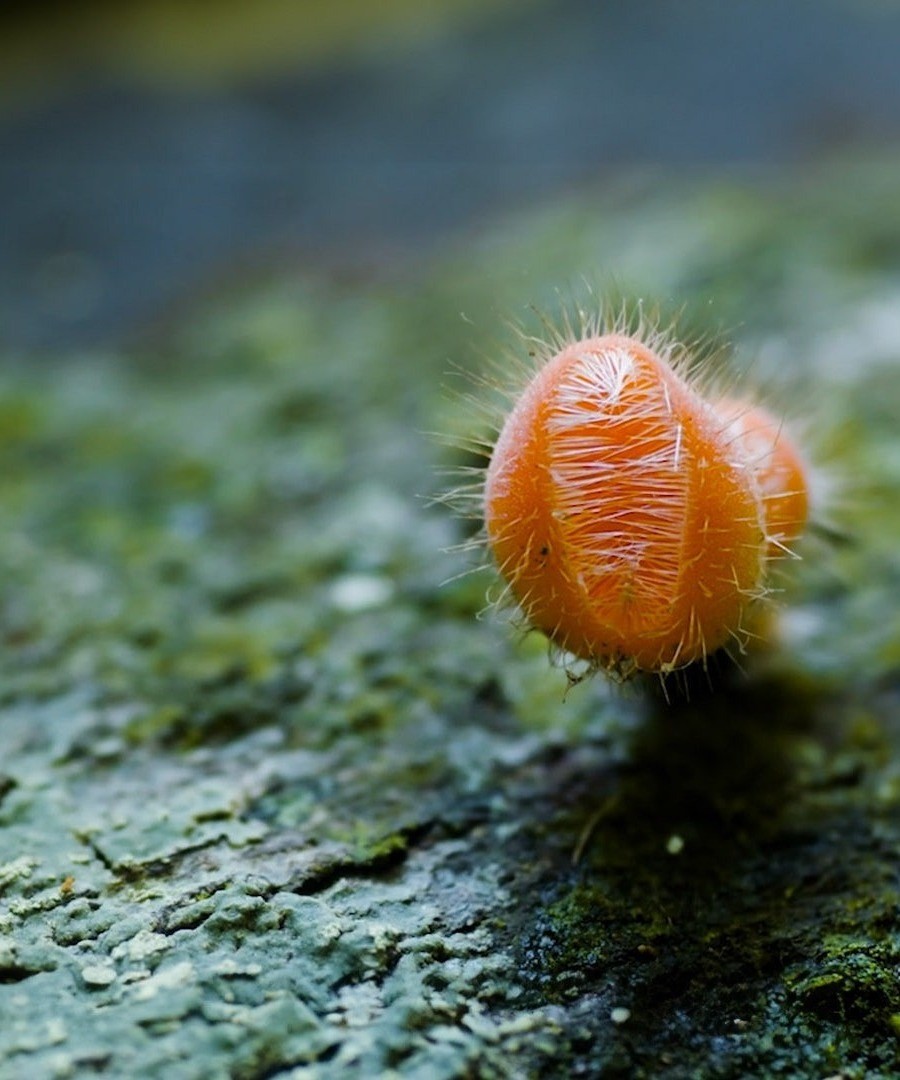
(633, 519)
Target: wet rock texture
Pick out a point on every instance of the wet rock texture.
(273, 799)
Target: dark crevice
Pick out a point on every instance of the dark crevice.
(159, 867)
(98, 853)
(16, 973)
(175, 916)
(378, 862)
(7, 784)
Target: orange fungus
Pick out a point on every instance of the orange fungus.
(779, 470)
(631, 518)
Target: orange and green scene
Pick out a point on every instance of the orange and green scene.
(450, 549)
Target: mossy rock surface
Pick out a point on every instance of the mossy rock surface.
(274, 799)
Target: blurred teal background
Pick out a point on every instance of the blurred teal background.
(152, 151)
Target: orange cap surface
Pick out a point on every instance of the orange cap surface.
(779, 469)
(627, 527)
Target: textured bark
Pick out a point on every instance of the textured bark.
(273, 799)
